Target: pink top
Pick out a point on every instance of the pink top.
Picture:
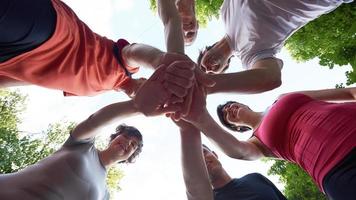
(314, 134)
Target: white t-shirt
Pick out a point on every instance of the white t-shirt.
(257, 29)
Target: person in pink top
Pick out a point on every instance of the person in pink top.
(301, 127)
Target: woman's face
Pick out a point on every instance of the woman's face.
(235, 113)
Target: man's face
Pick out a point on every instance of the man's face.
(190, 24)
(212, 163)
(123, 146)
(214, 61)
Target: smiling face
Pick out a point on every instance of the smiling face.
(190, 26)
(233, 116)
(234, 113)
(123, 147)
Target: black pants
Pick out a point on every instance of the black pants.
(340, 182)
(24, 25)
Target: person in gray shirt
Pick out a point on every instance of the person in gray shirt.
(78, 170)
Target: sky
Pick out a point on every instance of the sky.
(157, 173)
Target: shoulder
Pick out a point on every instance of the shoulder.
(72, 141)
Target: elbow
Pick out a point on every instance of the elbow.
(274, 83)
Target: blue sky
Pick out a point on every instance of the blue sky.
(157, 173)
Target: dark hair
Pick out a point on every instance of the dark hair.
(131, 132)
(228, 125)
(206, 147)
(207, 48)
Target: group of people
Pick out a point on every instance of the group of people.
(44, 43)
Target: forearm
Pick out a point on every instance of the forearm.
(335, 94)
(249, 81)
(142, 55)
(229, 144)
(194, 170)
(172, 26)
(107, 115)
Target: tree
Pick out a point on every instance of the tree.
(331, 38)
(19, 149)
(205, 10)
(298, 184)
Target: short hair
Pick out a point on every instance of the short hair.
(220, 112)
(207, 48)
(206, 147)
(131, 132)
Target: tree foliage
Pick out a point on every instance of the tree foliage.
(298, 184)
(19, 149)
(205, 10)
(331, 38)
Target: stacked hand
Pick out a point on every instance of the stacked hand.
(174, 86)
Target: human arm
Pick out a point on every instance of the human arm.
(335, 94)
(168, 13)
(229, 144)
(193, 165)
(107, 115)
(264, 75)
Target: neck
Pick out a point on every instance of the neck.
(221, 180)
(256, 120)
(105, 158)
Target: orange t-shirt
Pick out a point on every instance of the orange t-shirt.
(75, 59)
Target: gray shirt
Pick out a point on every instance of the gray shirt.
(257, 29)
(73, 172)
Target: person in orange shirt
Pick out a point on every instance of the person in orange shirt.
(44, 43)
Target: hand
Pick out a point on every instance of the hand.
(183, 125)
(132, 85)
(198, 105)
(151, 97)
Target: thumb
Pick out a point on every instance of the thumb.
(158, 74)
(168, 109)
(204, 79)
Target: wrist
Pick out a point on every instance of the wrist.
(202, 118)
(159, 59)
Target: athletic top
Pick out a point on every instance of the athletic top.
(75, 59)
(24, 26)
(258, 29)
(73, 172)
(314, 134)
(252, 187)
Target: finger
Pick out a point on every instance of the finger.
(183, 64)
(185, 83)
(188, 102)
(168, 109)
(175, 100)
(183, 73)
(176, 116)
(175, 89)
(203, 79)
(159, 73)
